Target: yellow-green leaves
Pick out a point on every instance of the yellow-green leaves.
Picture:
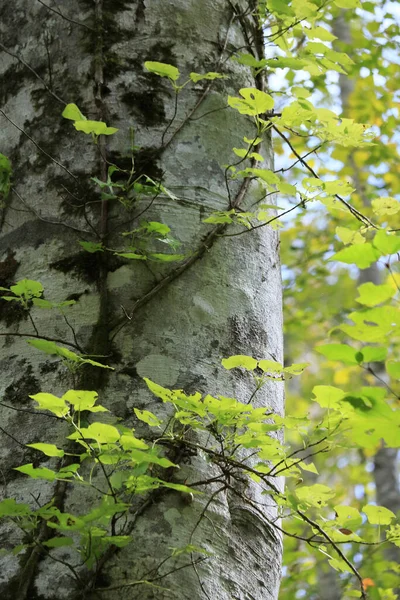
(163, 70)
(173, 74)
(83, 400)
(371, 294)
(210, 76)
(95, 127)
(267, 366)
(253, 102)
(349, 236)
(47, 449)
(81, 123)
(347, 3)
(361, 255)
(52, 403)
(341, 352)
(246, 362)
(79, 400)
(386, 243)
(328, 396)
(71, 357)
(316, 495)
(100, 432)
(348, 517)
(378, 515)
(147, 417)
(72, 112)
(385, 206)
(40, 473)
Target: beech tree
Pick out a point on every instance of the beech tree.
(150, 152)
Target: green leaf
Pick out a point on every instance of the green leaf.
(310, 467)
(179, 487)
(296, 369)
(349, 236)
(47, 449)
(315, 495)
(347, 3)
(118, 540)
(328, 396)
(52, 403)
(264, 174)
(167, 257)
(348, 517)
(373, 353)
(147, 417)
(150, 457)
(223, 216)
(386, 243)
(165, 394)
(83, 400)
(250, 61)
(362, 255)
(393, 368)
(341, 352)
(72, 112)
(385, 206)
(131, 255)
(371, 294)
(156, 227)
(319, 32)
(40, 473)
(270, 366)
(300, 92)
(378, 515)
(53, 348)
(92, 246)
(163, 69)
(101, 432)
(95, 127)
(195, 77)
(27, 288)
(255, 102)
(239, 360)
(10, 508)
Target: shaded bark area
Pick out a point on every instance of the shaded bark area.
(224, 300)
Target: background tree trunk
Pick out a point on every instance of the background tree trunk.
(224, 300)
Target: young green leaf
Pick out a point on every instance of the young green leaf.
(233, 362)
(163, 69)
(378, 515)
(47, 449)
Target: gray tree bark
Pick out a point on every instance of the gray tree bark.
(224, 300)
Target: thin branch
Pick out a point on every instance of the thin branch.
(359, 216)
(61, 223)
(60, 14)
(37, 145)
(40, 337)
(42, 81)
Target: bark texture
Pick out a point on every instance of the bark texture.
(226, 300)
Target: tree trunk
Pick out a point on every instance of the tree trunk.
(170, 322)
